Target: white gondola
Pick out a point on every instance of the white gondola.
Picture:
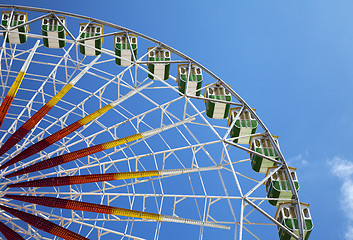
(262, 145)
(245, 125)
(53, 32)
(159, 71)
(91, 47)
(122, 49)
(17, 35)
(278, 186)
(195, 79)
(287, 216)
(217, 110)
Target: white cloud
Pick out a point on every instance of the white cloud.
(298, 161)
(343, 169)
(347, 200)
(349, 233)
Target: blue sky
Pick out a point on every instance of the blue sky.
(291, 60)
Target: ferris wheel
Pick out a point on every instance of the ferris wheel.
(107, 133)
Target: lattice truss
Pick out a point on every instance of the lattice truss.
(146, 129)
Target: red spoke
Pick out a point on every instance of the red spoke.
(8, 233)
(39, 146)
(43, 224)
(68, 157)
(6, 103)
(83, 206)
(55, 161)
(71, 180)
(34, 120)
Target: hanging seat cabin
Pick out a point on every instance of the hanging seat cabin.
(214, 109)
(277, 186)
(18, 35)
(262, 145)
(245, 125)
(159, 71)
(194, 81)
(91, 47)
(122, 49)
(287, 216)
(53, 32)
